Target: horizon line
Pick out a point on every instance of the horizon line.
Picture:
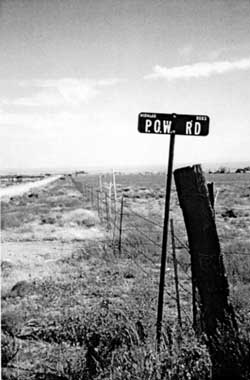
(134, 167)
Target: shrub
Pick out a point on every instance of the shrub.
(6, 268)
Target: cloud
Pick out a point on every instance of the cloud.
(62, 123)
(61, 92)
(198, 70)
(185, 51)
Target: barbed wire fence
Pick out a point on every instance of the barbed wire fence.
(132, 233)
(135, 235)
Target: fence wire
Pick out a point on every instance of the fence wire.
(137, 236)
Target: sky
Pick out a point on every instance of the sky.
(75, 74)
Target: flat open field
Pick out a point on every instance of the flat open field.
(80, 288)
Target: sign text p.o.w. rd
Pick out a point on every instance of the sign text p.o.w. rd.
(160, 123)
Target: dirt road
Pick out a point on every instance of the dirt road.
(15, 190)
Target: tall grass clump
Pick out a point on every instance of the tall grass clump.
(107, 342)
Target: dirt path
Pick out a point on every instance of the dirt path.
(38, 235)
(15, 190)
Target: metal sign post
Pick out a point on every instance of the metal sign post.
(165, 239)
(169, 124)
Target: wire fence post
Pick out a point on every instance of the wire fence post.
(216, 196)
(98, 203)
(109, 201)
(107, 210)
(86, 193)
(100, 183)
(101, 197)
(115, 210)
(83, 191)
(120, 229)
(210, 187)
(92, 196)
(115, 192)
(176, 278)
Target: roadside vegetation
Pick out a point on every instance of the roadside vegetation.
(73, 308)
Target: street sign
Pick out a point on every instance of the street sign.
(169, 124)
(160, 123)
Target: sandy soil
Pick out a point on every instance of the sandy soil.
(37, 238)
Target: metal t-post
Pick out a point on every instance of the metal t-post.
(165, 240)
(120, 229)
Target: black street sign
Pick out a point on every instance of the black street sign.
(169, 124)
(160, 123)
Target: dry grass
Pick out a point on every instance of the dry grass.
(83, 312)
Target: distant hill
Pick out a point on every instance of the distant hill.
(233, 165)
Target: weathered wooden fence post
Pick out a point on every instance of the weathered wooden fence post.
(218, 318)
